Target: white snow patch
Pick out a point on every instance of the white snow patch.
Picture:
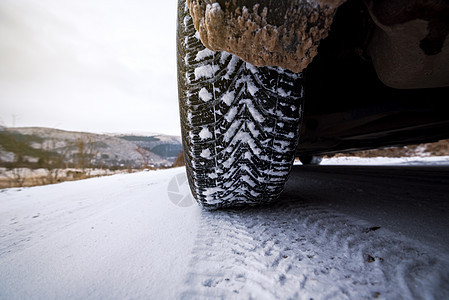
(254, 193)
(187, 18)
(282, 93)
(228, 98)
(224, 56)
(252, 128)
(254, 112)
(252, 88)
(204, 94)
(265, 157)
(231, 67)
(248, 155)
(254, 147)
(212, 175)
(290, 135)
(211, 191)
(413, 160)
(244, 137)
(252, 68)
(232, 129)
(203, 54)
(228, 162)
(206, 71)
(230, 115)
(248, 180)
(205, 153)
(205, 134)
(197, 35)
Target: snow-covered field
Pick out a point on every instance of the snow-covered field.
(123, 237)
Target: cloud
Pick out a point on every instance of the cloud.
(87, 64)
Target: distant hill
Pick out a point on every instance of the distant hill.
(37, 144)
(165, 146)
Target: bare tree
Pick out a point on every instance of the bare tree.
(54, 159)
(18, 176)
(87, 151)
(18, 147)
(145, 155)
(179, 162)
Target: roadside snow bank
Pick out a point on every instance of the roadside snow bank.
(414, 160)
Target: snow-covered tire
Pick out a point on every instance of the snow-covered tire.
(240, 123)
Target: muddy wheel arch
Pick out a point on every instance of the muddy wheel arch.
(408, 47)
(286, 35)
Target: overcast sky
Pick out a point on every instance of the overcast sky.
(89, 65)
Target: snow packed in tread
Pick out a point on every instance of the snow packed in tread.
(240, 123)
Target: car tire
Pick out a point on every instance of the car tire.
(239, 123)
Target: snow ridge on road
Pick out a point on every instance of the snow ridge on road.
(296, 251)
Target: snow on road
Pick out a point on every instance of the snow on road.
(121, 237)
(384, 161)
(109, 237)
(295, 251)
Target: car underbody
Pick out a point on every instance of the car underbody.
(359, 98)
(377, 76)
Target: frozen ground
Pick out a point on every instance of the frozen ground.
(123, 237)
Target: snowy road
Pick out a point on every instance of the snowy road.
(336, 233)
